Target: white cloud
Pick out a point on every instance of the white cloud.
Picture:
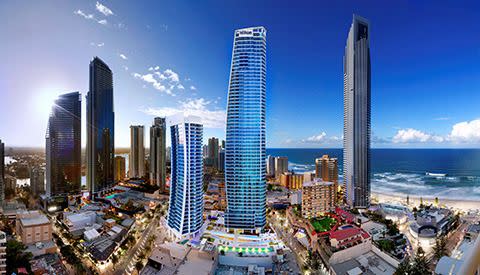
(97, 44)
(466, 132)
(166, 81)
(173, 76)
(415, 136)
(193, 88)
(441, 118)
(103, 9)
(193, 107)
(84, 15)
(90, 17)
(122, 56)
(125, 68)
(318, 138)
(322, 138)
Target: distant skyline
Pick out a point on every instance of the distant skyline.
(168, 57)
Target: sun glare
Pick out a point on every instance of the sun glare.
(45, 99)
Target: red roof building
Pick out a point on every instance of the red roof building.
(348, 237)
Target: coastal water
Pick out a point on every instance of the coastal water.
(404, 171)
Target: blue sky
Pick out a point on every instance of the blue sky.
(173, 56)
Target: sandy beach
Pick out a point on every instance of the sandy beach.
(463, 205)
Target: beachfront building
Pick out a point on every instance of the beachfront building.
(291, 181)
(63, 146)
(326, 168)
(136, 160)
(281, 166)
(245, 149)
(212, 154)
(318, 197)
(270, 166)
(158, 153)
(100, 128)
(185, 212)
(357, 129)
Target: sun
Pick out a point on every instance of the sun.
(44, 99)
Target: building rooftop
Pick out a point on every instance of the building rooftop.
(38, 219)
(368, 263)
(348, 233)
(317, 182)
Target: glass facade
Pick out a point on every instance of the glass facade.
(185, 212)
(100, 128)
(63, 146)
(357, 114)
(245, 134)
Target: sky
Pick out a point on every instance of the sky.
(172, 57)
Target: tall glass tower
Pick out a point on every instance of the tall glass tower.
(63, 146)
(356, 130)
(100, 128)
(136, 160)
(158, 153)
(185, 212)
(245, 166)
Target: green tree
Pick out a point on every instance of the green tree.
(405, 267)
(139, 265)
(440, 247)
(17, 257)
(420, 263)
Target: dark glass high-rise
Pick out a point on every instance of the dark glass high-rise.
(63, 146)
(100, 128)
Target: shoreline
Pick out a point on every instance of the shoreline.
(458, 204)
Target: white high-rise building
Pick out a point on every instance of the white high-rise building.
(185, 209)
(356, 131)
(136, 160)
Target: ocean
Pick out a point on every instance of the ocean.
(404, 171)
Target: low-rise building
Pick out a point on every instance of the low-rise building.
(76, 221)
(348, 236)
(375, 229)
(318, 197)
(35, 231)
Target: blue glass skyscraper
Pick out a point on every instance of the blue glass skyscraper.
(357, 113)
(185, 212)
(245, 134)
(100, 128)
(63, 146)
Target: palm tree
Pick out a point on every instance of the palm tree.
(440, 247)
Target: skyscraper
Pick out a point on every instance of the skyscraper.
(2, 172)
(326, 168)
(100, 128)
(245, 133)
(119, 168)
(158, 155)
(185, 213)
(270, 166)
(356, 131)
(37, 180)
(136, 159)
(281, 166)
(213, 152)
(63, 146)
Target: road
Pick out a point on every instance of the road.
(127, 264)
